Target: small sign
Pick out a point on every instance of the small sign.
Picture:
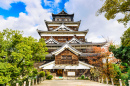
(71, 73)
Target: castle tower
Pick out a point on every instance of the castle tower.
(66, 45)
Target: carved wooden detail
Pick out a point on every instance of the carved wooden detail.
(64, 38)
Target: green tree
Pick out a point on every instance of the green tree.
(20, 52)
(123, 52)
(125, 39)
(114, 7)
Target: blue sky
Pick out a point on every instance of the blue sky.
(18, 7)
(29, 15)
(14, 11)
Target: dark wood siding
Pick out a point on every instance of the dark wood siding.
(66, 52)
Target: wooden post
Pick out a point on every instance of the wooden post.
(33, 82)
(41, 78)
(120, 82)
(98, 79)
(129, 82)
(102, 80)
(106, 80)
(36, 81)
(17, 84)
(29, 82)
(112, 82)
(24, 83)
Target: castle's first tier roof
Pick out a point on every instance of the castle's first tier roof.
(83, 43)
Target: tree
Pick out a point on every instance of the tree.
(125, 39)
(104, 64)
(20, 53)
(114, 7)
(6, 72)
(123, 52)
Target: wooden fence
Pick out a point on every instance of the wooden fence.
(112, 82)
(32, 82)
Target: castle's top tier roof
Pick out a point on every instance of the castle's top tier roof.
(62, 13)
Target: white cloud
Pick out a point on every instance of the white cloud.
(34, 19)
(52, 3)
(98, 26)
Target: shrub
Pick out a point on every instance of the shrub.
(79, 78)
(41, 73)
(86, 78)
(47, 73)
(82, 77)
(49, 77)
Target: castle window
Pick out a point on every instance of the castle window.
(81, 39)
(63, 57)
(66, 57)
(64, 38)
(69, 57)
(59, 19)
(69, 19)
(55, 19)
(66, 19)
(51, 28)
(59, 39)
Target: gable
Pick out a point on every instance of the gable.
(66, 57)
(74, 40)
(66, 46)
(51, 41)
(62, 28)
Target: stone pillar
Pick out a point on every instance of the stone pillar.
(112, 82)
(36, 81)
(17, 84)
(120, 82)
(24, 84)
(129, 82)
(106, 80)
(33, 82)
(29, 82)
(102, 80)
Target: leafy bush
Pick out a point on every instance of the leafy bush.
(79, 78)
(49, 77)
(41, 73)
(47, 73)
(82, 77)
(86, 78)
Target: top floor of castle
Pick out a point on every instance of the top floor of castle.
(64, 19)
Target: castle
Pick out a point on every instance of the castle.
(68, 49)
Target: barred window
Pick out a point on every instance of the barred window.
(63, 57)
(69, 57)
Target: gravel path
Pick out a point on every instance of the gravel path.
(70, 83)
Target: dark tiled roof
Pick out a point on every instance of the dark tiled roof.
(83, 43)
(62, 13)
(81, 55)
